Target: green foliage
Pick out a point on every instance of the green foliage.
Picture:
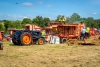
(74, 17)
(26, 21)
(2, 28)
(58, 18)
(6, 24)
(15, 24)
(40, 21)
(90, 22)
(46, 21)
(35, 21)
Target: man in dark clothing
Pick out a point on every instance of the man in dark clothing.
(83, 33)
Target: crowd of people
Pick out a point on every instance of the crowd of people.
(85, 33)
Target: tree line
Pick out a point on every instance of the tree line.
(43, 22)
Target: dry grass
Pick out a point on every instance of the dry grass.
(49, 56)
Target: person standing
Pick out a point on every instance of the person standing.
(83, 33)
(63, 19)
(44, 35)
(87, 32)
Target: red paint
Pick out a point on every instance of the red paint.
(0, 36)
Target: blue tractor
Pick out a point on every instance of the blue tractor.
(27, 37)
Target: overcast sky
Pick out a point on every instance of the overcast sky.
(19, 9)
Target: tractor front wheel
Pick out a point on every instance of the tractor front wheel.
(41, 41)
(26, 39)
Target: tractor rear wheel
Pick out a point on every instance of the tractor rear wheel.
(41, 41)
(26, 39)
(15, 42)
(1, 46)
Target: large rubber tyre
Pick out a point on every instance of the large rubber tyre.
(26, 39)
(63, 40)
(15, 42)
(41, 41)
(1, 46)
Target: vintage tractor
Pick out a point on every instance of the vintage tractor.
(1, 38)
(27, 37)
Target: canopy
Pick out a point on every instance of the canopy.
(79, 21)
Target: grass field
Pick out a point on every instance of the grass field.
(49, 56)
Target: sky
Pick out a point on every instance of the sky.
(19, 9)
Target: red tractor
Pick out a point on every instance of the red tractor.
(1, 38)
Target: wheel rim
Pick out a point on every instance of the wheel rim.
(41, 41)
(64, 40)
(26, 39)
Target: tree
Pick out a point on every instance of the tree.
(46, 21)
(26, 21)
(17, 24)
(58, 18)
(2, 28)
(68, 19)
(14, 24)
(90, 22)
(35, 21)
(39, 21)
(6, 24)
(97, 23)
(74, 17)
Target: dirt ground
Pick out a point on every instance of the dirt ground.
(48, 55)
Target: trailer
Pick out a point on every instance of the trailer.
(69, 31)
(65, 31)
